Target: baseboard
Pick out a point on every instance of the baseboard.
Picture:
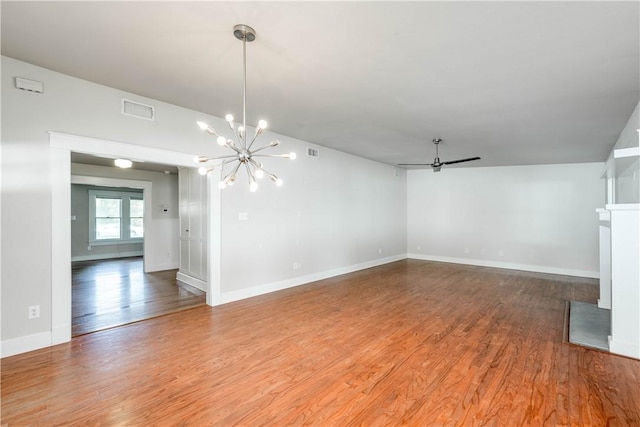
(161, 267)
(192, 281)
(60, 334)
(266, 288)
(624, 348)
(25, 344)
(508, 265)
(106, 256)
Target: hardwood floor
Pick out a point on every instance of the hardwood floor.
(412, 342)
(114, 292)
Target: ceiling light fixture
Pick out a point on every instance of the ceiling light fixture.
(243, 154)
(123, 163)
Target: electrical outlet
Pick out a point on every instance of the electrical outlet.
(297, 266)
(379, 250)
(89, 247)
(500, 252)
(34, 312)
(482, 251)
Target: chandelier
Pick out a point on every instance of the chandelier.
(244, 155)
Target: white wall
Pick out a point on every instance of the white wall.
(333, 209)
(542, 217)
(335, 224)
(626, 172)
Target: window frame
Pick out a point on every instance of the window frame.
(125, 216)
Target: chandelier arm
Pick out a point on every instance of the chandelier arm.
(261, 148)
(235, 170)
(254, 139)
(233, 156)
(266, 172)
(251, 177)
(284, 156)
(236, 134)
(257, 165)
(234, 148)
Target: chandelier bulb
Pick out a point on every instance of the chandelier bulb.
(259, 173)
(231, 180)
(221, 140)
(202, 125)
(262, 124)
(253, 186)
(222, 184)
(278, 182)
(229, 118)
(202, 170)
(292, 155)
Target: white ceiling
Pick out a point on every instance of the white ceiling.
(513, 82)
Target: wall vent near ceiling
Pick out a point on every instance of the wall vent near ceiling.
(136, 109)
(313, 152)
(29, 85)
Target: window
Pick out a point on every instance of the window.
(108, 217)
(115, 216)
(136, 214)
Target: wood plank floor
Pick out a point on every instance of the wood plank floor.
(411, 342)
(114, 292)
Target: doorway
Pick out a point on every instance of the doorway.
(61, 147)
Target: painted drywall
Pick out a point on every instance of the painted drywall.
(163, 254)
(80, 241)
(626, 172)
(542, 218)
(353, 219)
(337, 207)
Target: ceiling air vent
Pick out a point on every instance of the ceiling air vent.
(136, 109)
(313, 152)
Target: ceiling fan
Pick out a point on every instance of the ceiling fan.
(437, 164)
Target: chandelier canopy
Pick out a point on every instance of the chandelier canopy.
(244, 155)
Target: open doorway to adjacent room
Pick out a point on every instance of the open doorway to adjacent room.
(113, 280)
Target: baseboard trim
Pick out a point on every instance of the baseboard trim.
(106, 256)
(624, 348)
(60, 334)
(24, 344)
(192, 281)
(508, 265)
(161, 267)
(266, 288)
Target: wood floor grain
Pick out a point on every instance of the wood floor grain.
(114, 292)
(412, 342)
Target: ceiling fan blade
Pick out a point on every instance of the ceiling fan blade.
(460, 161)
(415, 164)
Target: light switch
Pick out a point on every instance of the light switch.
(243, 216)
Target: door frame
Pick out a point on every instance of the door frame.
(61, 146)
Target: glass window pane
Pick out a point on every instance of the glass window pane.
(135, 228)
(136, 208)
(108, 208)
(107, 228)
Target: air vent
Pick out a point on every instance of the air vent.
(29, 85)
(136, 109)
(313, 152)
